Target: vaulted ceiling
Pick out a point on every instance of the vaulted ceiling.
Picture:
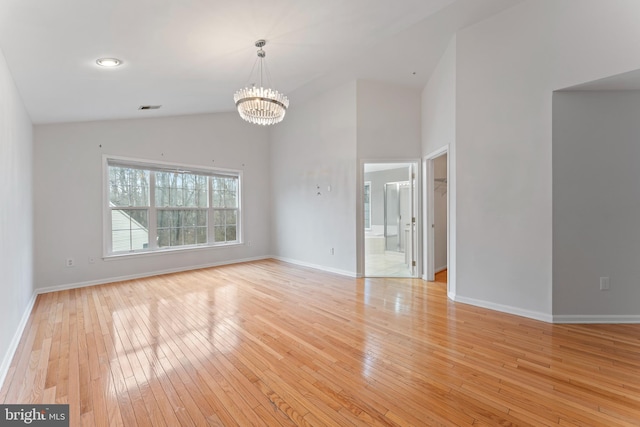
(190, 56)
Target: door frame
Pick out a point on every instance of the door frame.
(416, 210)
(429, 210)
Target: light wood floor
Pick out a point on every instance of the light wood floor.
(268, 343)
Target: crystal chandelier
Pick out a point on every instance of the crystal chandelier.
(260, 105)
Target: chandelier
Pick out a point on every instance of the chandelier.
(260, 105)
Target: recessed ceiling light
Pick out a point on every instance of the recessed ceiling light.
(108, 62)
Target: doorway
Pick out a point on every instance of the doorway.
(389, 220)
(437, 216)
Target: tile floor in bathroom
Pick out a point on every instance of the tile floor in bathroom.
(387, 264)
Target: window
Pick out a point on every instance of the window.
(158, 207)
(181, 201)
(225, 211)
(367, 205)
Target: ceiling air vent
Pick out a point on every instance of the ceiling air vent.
(149, 107)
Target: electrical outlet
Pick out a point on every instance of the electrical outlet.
(331, 251)
(70, 262)
(605, 285)
(92, 260)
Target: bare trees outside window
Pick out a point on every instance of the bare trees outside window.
(156, 207)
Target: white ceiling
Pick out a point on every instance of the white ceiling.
(190, 56)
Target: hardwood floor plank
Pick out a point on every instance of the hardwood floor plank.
(98, 397)
(282, 405)
(14, 384)
(73, 364)
(269, 343)
(183, 390)
(272, 417)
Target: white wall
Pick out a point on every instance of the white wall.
(388, 121)
(68, 190)
(315, 146)
(440, 213)
(321, 143)
(507, 68)
(596, 205)
(438, 125)
(16, 215)
(438, 115)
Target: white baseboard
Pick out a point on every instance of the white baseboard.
(590, 318)
(141, 275)
(536, 315)
(13, 346)
(317, 267)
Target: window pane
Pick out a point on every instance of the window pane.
(175, 235)
(218, 218)
(219, 234)
(231, 233)
(189, 198)
(182, 189)
(202, 218)
(218, 199)
(201, 235)
(164, 219)
(203, 183)
(230, 199)
(163, 187)
(188, 218)
(202, 198)
(163, 238)
(128, 186)
(225, 193)
(231, 217)
(225, 222)
(175, 198)
(176, 218)
(129, 229)
(177, 227)
(189, 236)
(162, 196)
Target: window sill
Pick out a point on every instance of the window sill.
(114, 257)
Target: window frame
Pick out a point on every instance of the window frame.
(159, 166)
